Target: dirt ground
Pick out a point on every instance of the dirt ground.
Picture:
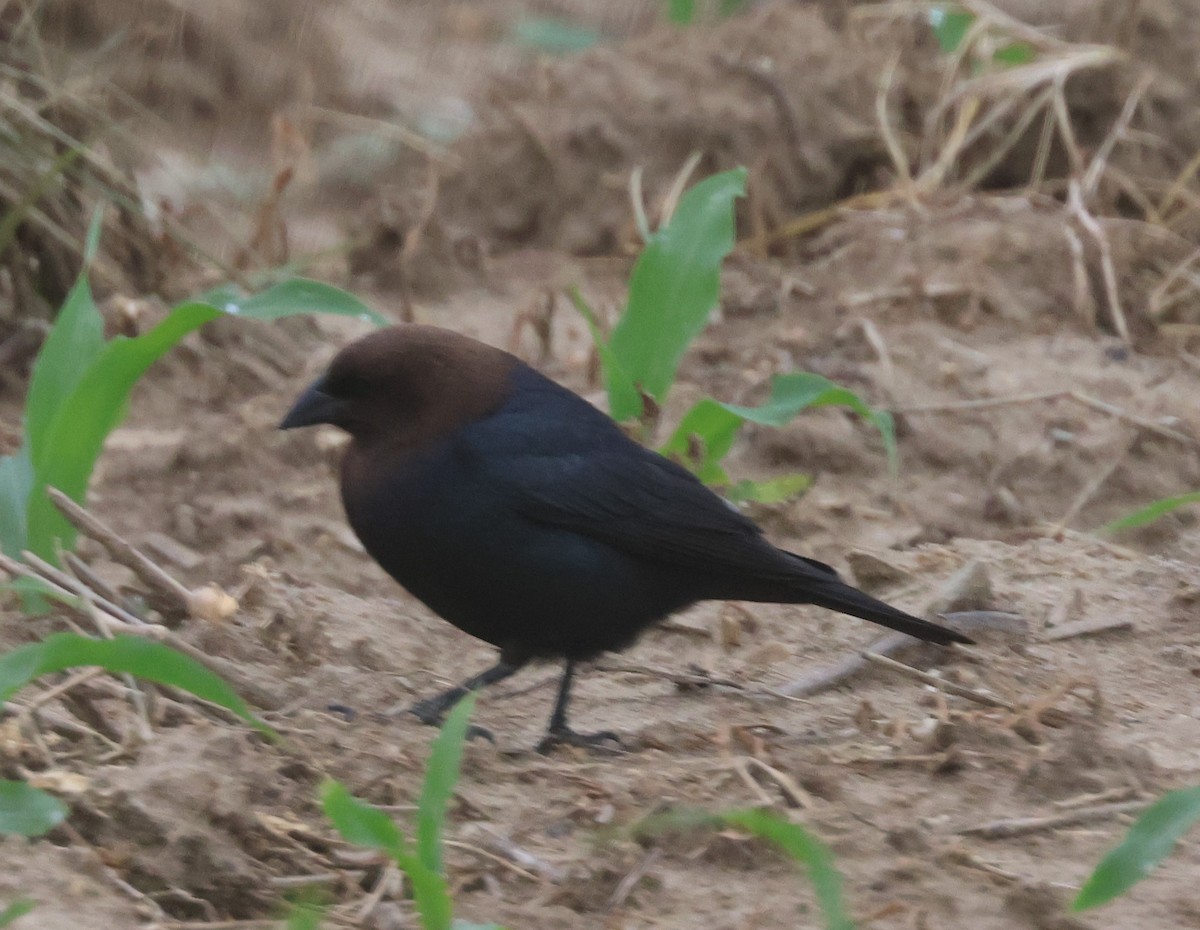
(1031, 318)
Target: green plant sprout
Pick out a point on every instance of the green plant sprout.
(673, 289)
(951, 25)
(364, 825)
(1151, 512)
(18, 908)
(1149, 841)
(80, 387)
(685, 12)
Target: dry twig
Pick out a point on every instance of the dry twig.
(1020, 826)
(123, 552)
(971, 694)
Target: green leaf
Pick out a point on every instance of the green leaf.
(16, 484)
(703, 438)
(554, 36)
(132, 654)
(441, 775)
(771, 491)
(467, 925)
(27, 811)
(72, 345)
(950, 25)
(1148, 842)
(80, 387)
(18, 908)
(1151, 512)
(674, 287)
(681, 12)
(799, 391)
(714, 425)
(808, 851)
(360, 823)
(300, 295)
(304, 915)
(364, 825)
(66, 450)
(91, 242)
(1014, 54)
(622, 392)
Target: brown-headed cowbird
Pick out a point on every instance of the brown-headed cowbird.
(525, 516)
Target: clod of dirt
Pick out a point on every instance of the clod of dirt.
(969, 588)
(64, 884)
(1084, 762)
(182, 819)
(872, 573)
(1042, 907)
(775, 90)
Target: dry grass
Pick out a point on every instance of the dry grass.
(57, 165)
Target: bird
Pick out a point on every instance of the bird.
(522, 514)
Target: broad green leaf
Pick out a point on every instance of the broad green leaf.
(713, 426)
(1148, 842)
(622, 392)
(80, 395)
(950, 24)
(305, 912)
(301, 295)
(799, 391)
(441, 775)
(364, 825)
(703, 438)
(1151, 512)
(16, 484)
(18, 908)
(674, 287)
(554, 36)
(28, 811)
(771, 491)
(75, 434)
(72, 345)
(467, 925)
(808, 851)
(430, 893)
(143, 658)
(360, 823)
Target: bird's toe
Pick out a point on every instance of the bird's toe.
(603, 741)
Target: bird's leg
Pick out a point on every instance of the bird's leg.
(431, 710)
(559, 733)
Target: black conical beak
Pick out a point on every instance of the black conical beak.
(312, 407)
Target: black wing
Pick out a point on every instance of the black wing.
(641, 503)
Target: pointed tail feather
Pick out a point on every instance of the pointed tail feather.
(839, 596)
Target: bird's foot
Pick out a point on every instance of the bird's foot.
(431, 713)
(604, 741)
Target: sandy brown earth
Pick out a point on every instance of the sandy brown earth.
(1044, 378)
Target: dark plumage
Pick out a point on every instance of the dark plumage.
(524, 516)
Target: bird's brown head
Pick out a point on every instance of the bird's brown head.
(404, 386)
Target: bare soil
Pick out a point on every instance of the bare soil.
(1031, 410)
